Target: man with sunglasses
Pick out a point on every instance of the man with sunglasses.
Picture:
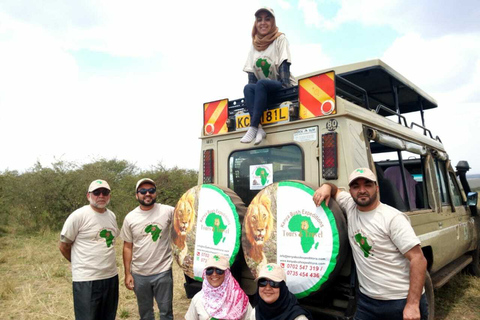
(87, 241)
(390, 263)
(147, 255)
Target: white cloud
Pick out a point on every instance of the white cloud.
(429, 17)
(307, 58)
(310, 12)
(284, 4)
(442, 65)
(50, 111)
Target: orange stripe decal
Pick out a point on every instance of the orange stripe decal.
(215, 117)
(309, 102)
(317, 95)
(210, 109)
(325, 83)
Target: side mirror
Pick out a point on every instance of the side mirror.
(472, 199)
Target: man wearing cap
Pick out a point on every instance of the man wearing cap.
(390, 263)
(147, 255)
(87, 241)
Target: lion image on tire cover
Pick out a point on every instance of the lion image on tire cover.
(259, 228)
(183, 233)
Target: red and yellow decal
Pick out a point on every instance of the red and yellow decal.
(316, 95)
(215, 116)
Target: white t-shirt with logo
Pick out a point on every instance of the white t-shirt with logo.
(379, 240)
(93, 249)
(149, 231)
(265, 64)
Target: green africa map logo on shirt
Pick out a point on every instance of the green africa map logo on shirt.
(304, 225)
(363, 244)
(108, 236)
(215, 221)
(264, 65)
(154, 230)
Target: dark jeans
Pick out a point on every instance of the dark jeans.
(256, 98)
(158, 287)
(372, 309)
(96, 299)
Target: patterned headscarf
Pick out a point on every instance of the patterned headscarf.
(227, 301)
(260, 42)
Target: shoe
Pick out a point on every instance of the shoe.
(250, 135)
(261, 134)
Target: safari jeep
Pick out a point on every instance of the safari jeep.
(333, 122)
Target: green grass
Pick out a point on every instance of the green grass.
(37, 284)
(458, 299)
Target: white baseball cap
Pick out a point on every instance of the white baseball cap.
(217, 261)
(97, 184)
(362, 173)
(144, 180)
(273, 272)
(269, 10)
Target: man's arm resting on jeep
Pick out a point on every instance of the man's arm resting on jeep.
(325, 192)
(66, 250)
(418, 268)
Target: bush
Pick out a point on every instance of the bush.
(42, 197)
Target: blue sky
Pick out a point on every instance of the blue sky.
(139, 72)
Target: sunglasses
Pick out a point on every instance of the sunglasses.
(209, 271)
(98, 192)
(144, 191)
(263, 283)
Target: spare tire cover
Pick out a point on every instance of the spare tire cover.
(283, 226)
(206, 221)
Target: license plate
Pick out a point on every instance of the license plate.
(242, 120)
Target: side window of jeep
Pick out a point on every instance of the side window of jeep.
(440, 171)
(457, 196)
(393, 165)
(286, 161)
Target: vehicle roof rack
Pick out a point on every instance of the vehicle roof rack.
(384, 86)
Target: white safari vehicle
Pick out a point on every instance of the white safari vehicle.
(254, 202)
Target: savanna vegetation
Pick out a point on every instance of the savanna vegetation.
(41, 198)
(36, 280)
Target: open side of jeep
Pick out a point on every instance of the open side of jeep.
(333, 122)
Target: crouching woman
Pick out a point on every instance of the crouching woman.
(275, 301)
(221, 296)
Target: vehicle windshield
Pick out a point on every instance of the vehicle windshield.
(252, 170)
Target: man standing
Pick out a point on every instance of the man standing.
(87, 241)
(390, 263)
(147, 255)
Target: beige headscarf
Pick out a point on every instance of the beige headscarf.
(260, 42)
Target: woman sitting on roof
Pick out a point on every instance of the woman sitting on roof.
(268, 68)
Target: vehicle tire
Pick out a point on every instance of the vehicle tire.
(430, 295)
(474, 267)
(206, 221)
(282, 225)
